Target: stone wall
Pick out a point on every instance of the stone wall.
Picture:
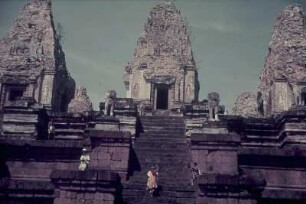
(215, 153)
(37, 159)
(257, 161)
(110, 151)
(75, 187)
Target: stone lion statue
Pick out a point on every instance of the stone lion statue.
(109, 98)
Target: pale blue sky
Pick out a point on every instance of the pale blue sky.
(229, 40)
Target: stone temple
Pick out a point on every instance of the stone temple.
(163, 71)
(54, 148)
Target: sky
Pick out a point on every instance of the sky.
(229, 40)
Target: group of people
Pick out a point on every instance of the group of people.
(152, 183)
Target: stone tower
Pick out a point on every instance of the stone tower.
(163, 71)
(32, 63)
(283, 79)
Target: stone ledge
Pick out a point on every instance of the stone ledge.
(43, 143)
(88, 175)
(224, 183)
(266, 161)
(285, 193)
(35, 150)
(89, 180)
(219, 179)
(26, 185)
(293, 152)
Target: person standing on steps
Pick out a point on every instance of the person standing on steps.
(152, 180)
(51, 130)
(84, 160)
(195, 172)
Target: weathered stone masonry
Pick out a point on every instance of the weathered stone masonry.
(245, 158)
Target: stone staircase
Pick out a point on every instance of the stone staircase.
(163, 143)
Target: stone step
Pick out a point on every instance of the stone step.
(162, 122)
(169, 183)
(159, 129)
(162, 143)
(161, 117)
(174, 136)
(157, 142)
(142, 196)
(148, 162)
(170, 154)
(149, 125)
(187, 191)
(161, 147)
(132, 190)
(164, 167)
(174, 156)
(166, 126)
(164, 132)
(161, 140)
(74, 131)
(165, 170)
(179, 141)
(167, 156)
(68, 137)
(173, 187)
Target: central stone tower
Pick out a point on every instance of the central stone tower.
(163, 71)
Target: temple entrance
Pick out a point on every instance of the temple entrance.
(162, 98)
(15, 92)
(303, 99)
(303, 96)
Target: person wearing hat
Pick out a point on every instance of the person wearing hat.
(84, 160)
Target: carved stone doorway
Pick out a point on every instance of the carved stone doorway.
(303, 96)
(162, 95)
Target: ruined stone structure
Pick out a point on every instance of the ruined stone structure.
(282, 81)
(163, 70)
(242, 159)
(246, 105)
(32, 62)
(284, 71)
